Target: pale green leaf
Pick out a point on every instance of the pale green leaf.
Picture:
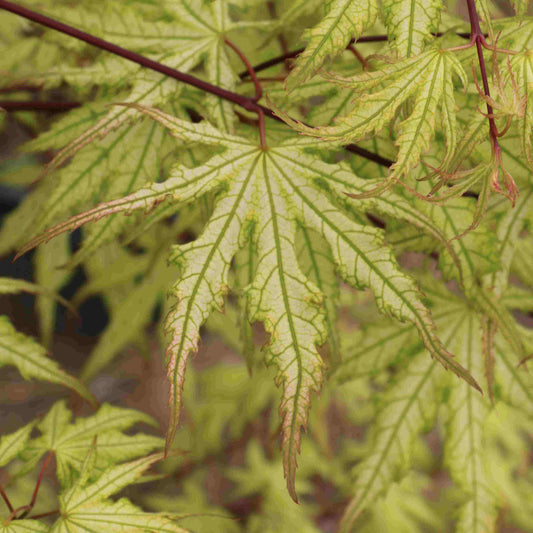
(11, 445)
(24, 526)
(408, 408)
(30, 359)
(509, 229)
(276, 190)
(464, 445)
(410, 23)
(345, 19)
(86, 507)
(71, 442)
(428, 78)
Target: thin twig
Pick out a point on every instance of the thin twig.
(258, 90)
(292, 54)
(27, 508)
(6, 499)
(358, 56)
(44, 515)
(249, 68)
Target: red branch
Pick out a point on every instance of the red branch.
(243, 101)
(477, 38)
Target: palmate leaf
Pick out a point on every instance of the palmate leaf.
(192, 36)
(427, 78)
(11, 445)
(345, 19)
(411, 403)
(86, 506)
(410, 23)
(30, 358)
(24, 526)
(522, 65)
(70, 442)
(262, 195)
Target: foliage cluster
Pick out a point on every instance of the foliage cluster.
(365, 206)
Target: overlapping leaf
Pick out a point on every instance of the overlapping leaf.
(410, 23)
(275, 189)
(411, 403)
(30, 359)
(70, 442)
(345, 19)
(193, 34)
(86, 507)
(427, 78)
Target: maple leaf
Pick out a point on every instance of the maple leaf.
(279, 294)
(24, 526)
(122, 162)
(30, 358)
(410, 24)
(273, 224)
(70, 442)
(86, 506)
(427, 78)
(345, 19)
(402, 417)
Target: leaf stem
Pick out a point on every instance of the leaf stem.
(6, 499)
(249, 68)
(27, 508)
(44, 515)
(258, 90)
(358, 56)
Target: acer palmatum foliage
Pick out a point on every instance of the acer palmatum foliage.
(269, 197)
